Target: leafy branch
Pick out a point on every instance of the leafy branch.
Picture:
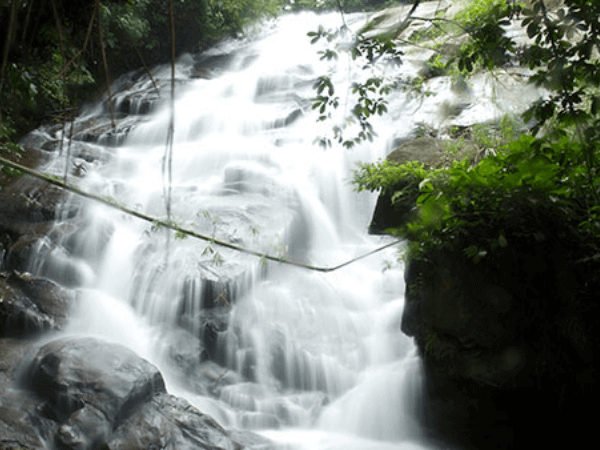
(370, 94)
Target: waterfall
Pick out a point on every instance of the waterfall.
(312, 360)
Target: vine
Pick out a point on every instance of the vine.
(181, 231)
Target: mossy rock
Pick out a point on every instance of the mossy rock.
(432, 152)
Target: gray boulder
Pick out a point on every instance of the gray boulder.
(87, 394)
(74, 374)
(30, 305)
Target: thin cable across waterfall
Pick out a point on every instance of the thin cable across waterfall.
(168, 224)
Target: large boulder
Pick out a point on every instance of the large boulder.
(87, 394)
(21, 427)
(504, 340)
(75, 373)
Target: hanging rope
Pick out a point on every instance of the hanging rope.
(27, 17)
(105, 64)
(167, 167)
(7, 44)
(167, 162)
(148, 71)
(172, 226)
(86, 40)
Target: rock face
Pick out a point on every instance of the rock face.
(83, 393)
(27, 214)
(507, 343)
(73, 374)
(30, 305)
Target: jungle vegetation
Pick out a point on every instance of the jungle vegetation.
(56, 54)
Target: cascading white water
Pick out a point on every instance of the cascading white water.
(320, 359)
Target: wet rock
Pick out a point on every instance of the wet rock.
(207, 324)
(72, 373)
(36, 141)
(139, 103)
(102, 131)
(31, 201)
(289, 119)
(27, 214)
(86, 428)
(168, 422)
(213, 324)
(251, 440)
(21, 427)
(211, 64)
(192, 366)
(248, 399)
(426, 150)
(202, 73)
(496, 346)
(90, 153)
(30, 305)
(87, 394)
(208, 378)
(56, 263)
(185, 350)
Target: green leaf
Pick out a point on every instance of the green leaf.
(426, 186)
(502, 242)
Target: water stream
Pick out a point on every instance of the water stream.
(312, 360)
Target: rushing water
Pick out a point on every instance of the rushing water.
(312, 360)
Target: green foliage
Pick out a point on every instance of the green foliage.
(483, 138)
(369, 95)
(343, 5)
(56, 87)
(7, 145)
(488, 44)
(232, 16)
(36, 82)
(127, 24)
(476, 11)
(531, 185)
(385, 176)
(144, 26)
(8, 148)
(49, 72)
(482, 20)
(486, 207)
